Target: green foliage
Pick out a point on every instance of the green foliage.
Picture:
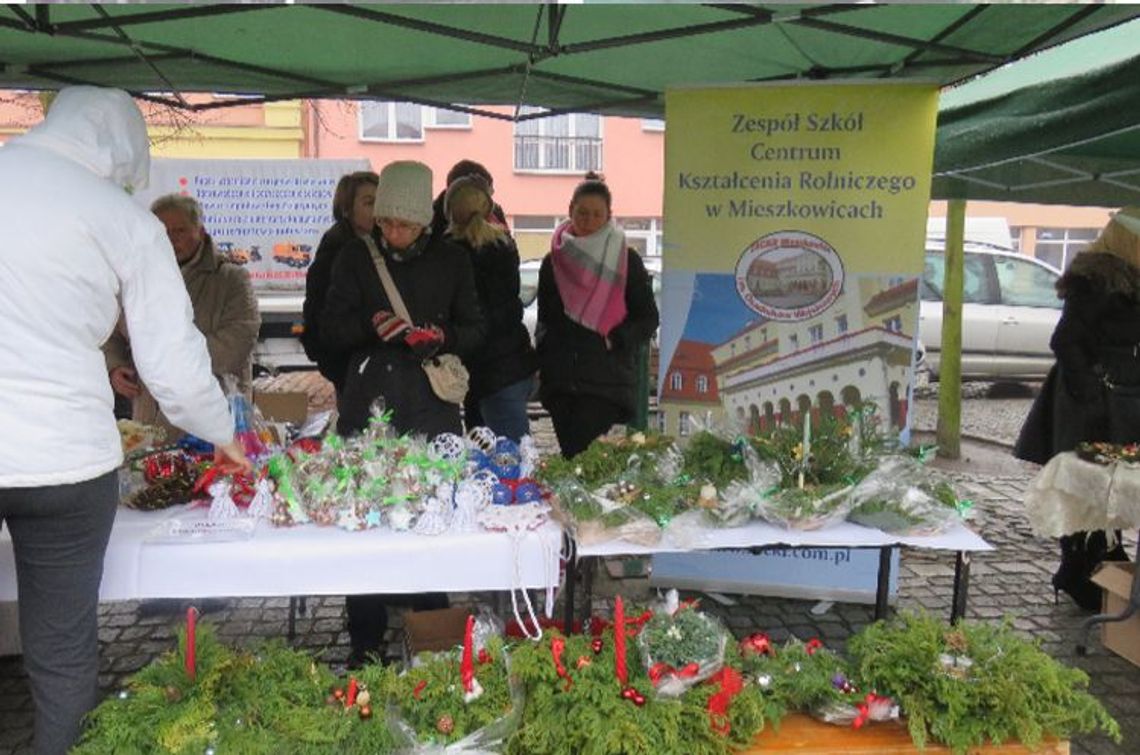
(973, 683)
(708, 458)
(256, 704)
(688, 636)
(441, 694)
(590, 717)
(797, 680)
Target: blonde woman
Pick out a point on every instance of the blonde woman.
(502, 371)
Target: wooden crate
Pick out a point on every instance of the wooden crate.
(803, 735)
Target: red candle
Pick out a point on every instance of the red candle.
(191, 636)
(619, 642)
(467, 664)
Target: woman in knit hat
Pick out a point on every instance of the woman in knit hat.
(595, 310)
(1093, 391)
(502, 371)
(435, 280)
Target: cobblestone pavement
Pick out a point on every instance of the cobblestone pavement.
(1010, 583)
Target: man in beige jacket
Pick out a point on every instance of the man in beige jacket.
(225, 309)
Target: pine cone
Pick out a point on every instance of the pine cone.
(445, 724)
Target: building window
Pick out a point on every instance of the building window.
(841, 324)
(676, 382)
(893, 324)
(570, 143)
(391, 122)
(652, 124)
(644, 235)
(1057, 246)
(382, 121)
(1015, 237)
(683, 424)
(815, 333)
(532, 234)
(662, 422)
(702, 384)
(793, 342)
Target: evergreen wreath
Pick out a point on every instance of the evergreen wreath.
(972, 683)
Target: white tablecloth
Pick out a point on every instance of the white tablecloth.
(1072, 495)
(310, 560)
(756, 534)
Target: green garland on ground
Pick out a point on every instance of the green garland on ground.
(794, 678)
(240, 702)
(588, 715)
(973, 683)
(433, 691)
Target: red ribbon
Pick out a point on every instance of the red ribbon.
(467, 665)
(758, 643)
(731, 683)
(557, 647)
(864, 709)
(812, 645)
(659, 670)
(484, 656)
(419, 689)
(598, 625)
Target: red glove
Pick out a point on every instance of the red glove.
(425, 341)
(389, 326)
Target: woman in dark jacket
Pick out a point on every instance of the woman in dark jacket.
(435, 281)
(502, 370)
(1093, 391)
(352, 210)
(595, 309)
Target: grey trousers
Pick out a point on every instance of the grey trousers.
(59, 535)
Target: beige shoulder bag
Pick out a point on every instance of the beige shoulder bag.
(445, 372)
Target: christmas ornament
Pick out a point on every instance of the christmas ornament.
(583, 662)
(365, 712)
(596, 645)
(758, 643)
(445, 725)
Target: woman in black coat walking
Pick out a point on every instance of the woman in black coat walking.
(595, 310)
(1093, 391)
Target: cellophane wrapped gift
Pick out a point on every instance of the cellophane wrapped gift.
(903, 497)
(681, 647)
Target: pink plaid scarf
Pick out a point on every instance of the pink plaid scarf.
(590, 273)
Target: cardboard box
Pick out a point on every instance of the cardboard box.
(441, 629)
(1121, 637)
(283, 406)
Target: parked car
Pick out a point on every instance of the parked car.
(1009, 310)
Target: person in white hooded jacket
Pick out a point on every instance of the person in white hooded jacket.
(76, 247)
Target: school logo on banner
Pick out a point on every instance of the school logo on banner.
(789, 275)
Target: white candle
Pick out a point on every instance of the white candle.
(856, 435)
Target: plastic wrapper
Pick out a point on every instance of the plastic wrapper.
(157, 480)
(601, 517)
(808, 508)
(250, 429)
(903, 497)
(486, 739)
(858, 711)
(681, 649)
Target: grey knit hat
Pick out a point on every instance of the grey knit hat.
(404, 192)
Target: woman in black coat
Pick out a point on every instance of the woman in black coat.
(1093, 391)
(435, 281)
(595, 310)
(502, 370)
(353, 202)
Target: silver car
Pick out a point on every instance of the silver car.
(1009, 310)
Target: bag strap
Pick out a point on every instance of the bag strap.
(387, 282)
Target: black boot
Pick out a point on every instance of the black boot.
(1081, 554)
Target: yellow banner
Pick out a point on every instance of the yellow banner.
(795, 222)
(849, 163)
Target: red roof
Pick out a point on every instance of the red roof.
(692, 359)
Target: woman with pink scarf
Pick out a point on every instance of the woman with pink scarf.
(595, 309)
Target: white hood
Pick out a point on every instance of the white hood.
(101, 129)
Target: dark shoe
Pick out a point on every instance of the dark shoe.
(1082, 590)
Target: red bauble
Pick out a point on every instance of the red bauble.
(638, 699)
(628, 693)
(596, 645)
(365, 712)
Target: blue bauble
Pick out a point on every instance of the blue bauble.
(528, 492)
(501, 495)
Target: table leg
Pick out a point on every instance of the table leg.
(568, 589)
(1104, 618)
(961, 586)
(883, 588)
(291, 633)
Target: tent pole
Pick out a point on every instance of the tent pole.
(950, 365)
